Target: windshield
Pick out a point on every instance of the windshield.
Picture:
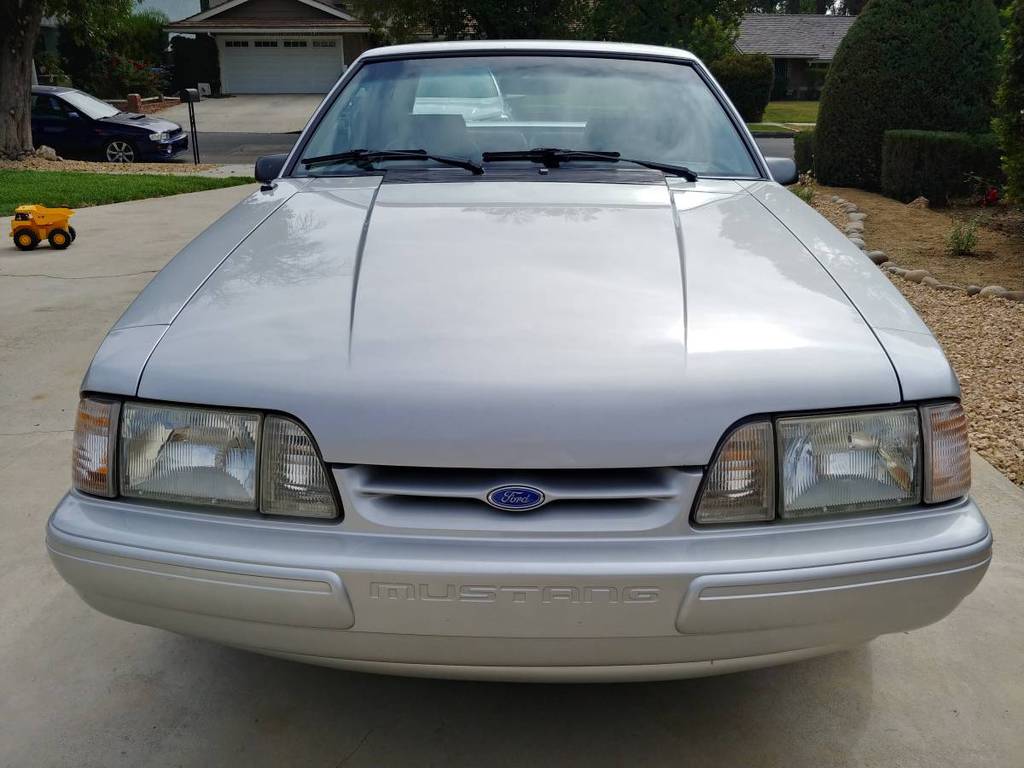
(88, 105)
(467, 105)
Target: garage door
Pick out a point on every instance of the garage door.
(280, 66)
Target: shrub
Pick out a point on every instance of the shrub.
(804, 193)
(924, 64)
(194, 61)
(935, 164)
(803, 151)
(963, 238)
(1010, 102)
(747, 79)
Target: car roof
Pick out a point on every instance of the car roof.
(51, 89)
(626, 50)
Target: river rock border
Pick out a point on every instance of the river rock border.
(856, 221)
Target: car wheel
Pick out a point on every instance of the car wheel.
(59, 239)
(26, 240)
(71, 231)
(119, 151)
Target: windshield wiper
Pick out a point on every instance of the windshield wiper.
(552, 157)
(366, 157)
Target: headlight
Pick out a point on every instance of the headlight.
(196, 456)
(840, 463)
(201, 456)
(849, 463)
(163, 136)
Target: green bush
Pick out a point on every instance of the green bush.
(1010, 102)
(803, 151)
(914, 64)
(963, 238)
(935, 164)
(747, 79)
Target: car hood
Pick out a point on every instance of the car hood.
(520, 324)
(142, 122)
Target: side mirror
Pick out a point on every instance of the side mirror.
(783, 170)
(269, 167)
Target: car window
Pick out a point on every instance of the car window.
(88, 105)
(44, 105)
(464, 106)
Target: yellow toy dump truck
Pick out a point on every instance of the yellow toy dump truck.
(32, 223)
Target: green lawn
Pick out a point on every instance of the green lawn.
(791, 112)
(769, 127)
(78, 190)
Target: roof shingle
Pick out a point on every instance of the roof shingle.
(793, 36)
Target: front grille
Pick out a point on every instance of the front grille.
(576, 499)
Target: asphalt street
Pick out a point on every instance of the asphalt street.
(80, 689)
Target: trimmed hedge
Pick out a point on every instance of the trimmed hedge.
(803, 151)
(916, 64)
(1010, 102)
(936, 164)
(747, 80)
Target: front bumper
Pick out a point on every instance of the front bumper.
(552, 608)
(167, 149)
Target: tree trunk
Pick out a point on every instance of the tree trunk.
(19, 26)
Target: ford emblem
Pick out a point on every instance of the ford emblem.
(515, 497)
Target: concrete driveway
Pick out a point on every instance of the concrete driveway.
(79, 689)
(277, 113)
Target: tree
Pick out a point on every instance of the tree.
(905, 64)
(405, 20)
(708, 28)
(20, 21)
(1009, 124)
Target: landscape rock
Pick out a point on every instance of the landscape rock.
(919, 202)
(855, 226)
(878, 257)
(47, 153)
(1013, 296)
(837, 199)
(857, 216)
(857, 241)
(930, 281)
(898, 271)
(992, 290)
(887, 265)
(973, 290)
(916, 275)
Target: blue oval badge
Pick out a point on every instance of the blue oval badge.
(515, 497)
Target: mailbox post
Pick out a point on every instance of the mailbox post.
(190, 96)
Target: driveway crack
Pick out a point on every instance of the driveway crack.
(358, 746)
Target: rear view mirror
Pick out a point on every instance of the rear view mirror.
(269, 167)
(783, 170)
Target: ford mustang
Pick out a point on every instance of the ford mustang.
(573, 389)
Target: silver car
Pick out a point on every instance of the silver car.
(583, 394)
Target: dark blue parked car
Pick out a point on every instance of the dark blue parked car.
(77, 124)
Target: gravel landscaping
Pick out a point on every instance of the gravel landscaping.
(36, 163)
(983, 336)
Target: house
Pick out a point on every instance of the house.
(279, 46)
(800, 45)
